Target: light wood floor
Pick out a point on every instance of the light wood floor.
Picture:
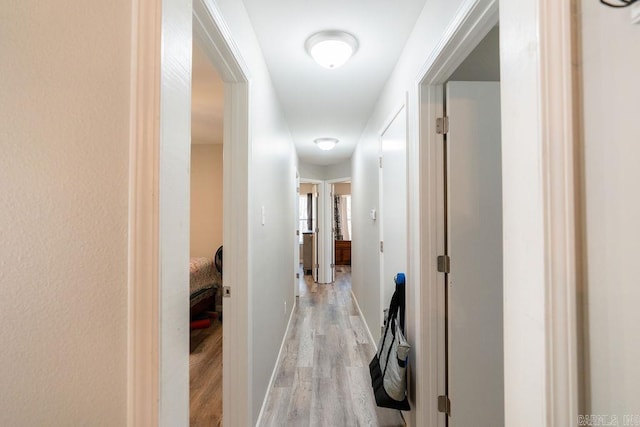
(205, 377)
(323, 376)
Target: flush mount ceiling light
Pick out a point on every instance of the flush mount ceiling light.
(331, 49)
(325, 144)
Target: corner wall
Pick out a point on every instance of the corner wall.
(64, 211)
(323, 173)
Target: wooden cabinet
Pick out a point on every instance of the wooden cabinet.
(343, 252)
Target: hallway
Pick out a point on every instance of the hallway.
(323, 375)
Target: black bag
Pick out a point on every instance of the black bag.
(389, 365)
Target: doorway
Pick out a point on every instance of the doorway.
(341, 232)
(159, 237)
(206, 249)
(465, 178)
(308, 227)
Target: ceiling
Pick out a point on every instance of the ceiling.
(337, 103)
(207, 100)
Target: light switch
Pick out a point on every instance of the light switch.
(263, 215)
(372, 214)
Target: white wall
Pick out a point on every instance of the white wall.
(429, 28)
(318, 172)
(273, 183)
(611, 90)
(64, 141)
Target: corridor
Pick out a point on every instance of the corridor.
(323, 375)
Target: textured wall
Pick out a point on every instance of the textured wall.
(206, 199)
(63, 212)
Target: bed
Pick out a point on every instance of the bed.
(204, 281)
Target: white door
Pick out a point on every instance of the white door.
(474, 189)
(315, 228)
(333, 231)
(393, 204)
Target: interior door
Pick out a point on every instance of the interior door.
(474, 244)
(334, 209)
(316, 230)
(393, 204)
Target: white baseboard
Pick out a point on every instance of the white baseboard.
(275, 368)
(366, 325)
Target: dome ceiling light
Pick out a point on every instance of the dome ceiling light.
(326, 144)
(331, 49)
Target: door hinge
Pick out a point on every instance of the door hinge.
(444, 405)
(333, 265)
(226, 292)
(442, 125)
(380, 162)
(444, 264)
(317, 265)
(297, 232)
(381, 246)
(297, 275)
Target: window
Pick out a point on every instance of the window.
(303, 215)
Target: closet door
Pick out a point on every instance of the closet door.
(474, 242)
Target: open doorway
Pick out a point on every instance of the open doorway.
(206, 249)
(308, 228)
(461, 98)
(472, 188)
(341, 228)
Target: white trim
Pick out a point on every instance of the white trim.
(366, 326)
(211, 29)
(143, 280)
(558, 139)
(277, 365)
(472, 22)
(540, 281)
(310, 181)
(392, 116)
(339, 180)
(332, 236)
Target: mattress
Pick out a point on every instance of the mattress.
(203, 279)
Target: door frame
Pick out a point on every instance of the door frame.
(537, 47)
(332, 236)
(158, 335)
(318, 183)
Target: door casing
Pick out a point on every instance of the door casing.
(538, 97)
(158, 363)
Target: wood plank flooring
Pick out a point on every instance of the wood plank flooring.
(205, 377)
(323, 375)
